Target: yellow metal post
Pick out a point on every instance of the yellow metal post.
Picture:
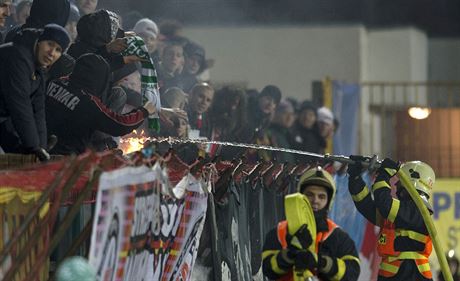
(327, 102)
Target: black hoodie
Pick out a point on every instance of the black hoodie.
(22, 93)
(74, 109)
(42, 13)
(95, 31)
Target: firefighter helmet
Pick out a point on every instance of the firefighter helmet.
(321, 177)
(422, 177)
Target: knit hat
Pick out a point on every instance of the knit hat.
(126, 70)
(271, 91)
(146, 26)
(325, 115)
(308, 105)
(284, 106)
(56, 33)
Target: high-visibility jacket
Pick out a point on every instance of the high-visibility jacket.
(403, 242)
(392, 259)
(333, 244)
(320, 237)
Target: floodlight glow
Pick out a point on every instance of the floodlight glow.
(419, 112)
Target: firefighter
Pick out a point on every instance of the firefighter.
(403, 243)
(336, 257)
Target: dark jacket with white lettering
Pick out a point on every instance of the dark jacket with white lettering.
(22, 88)
(75, 109)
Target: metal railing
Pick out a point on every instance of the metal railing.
(386, 129)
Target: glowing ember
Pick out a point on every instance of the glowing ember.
(133, 142)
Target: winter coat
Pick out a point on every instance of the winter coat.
(205, 129)
(281, 137)
(42, 13)
(307, 139)
(22, 93)
(75, 109)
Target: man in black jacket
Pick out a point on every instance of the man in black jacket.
(75, 107)
(22, 88)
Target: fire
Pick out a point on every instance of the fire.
(133, 142)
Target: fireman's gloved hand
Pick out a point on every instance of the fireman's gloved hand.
(301, 239)
(355, 169)
(305, 259)
(327, 265)
(388, 168)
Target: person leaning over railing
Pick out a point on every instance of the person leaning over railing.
(22, 88)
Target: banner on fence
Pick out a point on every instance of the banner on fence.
(15, 205)
(141, 234)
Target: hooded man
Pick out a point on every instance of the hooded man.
(22, 88)
(76, 107)
(336, 257)
(43, 12)
(100, 33)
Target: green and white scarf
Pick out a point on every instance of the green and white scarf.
(149, 81)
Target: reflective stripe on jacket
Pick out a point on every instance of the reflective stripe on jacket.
(320, 237)
(391, 259)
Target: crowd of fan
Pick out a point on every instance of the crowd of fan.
(67, 85)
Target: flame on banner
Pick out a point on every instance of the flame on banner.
(133, 142)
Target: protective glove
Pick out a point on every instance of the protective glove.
(298, 242)
(388, 168)
(305, 259)
(301, 239)
(355, 169)
(327, 265)
(41, 154)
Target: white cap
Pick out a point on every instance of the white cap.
(325, 115)
(146, 26)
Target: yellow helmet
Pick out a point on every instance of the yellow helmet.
(318, 176)
(422, 177)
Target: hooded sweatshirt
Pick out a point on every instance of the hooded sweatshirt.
(75, 109)
(95, 31)
(42, 13)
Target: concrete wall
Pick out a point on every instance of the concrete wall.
(444, 59)
(294, 56)
(393, 55)
(290, 57)
(396, 55)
